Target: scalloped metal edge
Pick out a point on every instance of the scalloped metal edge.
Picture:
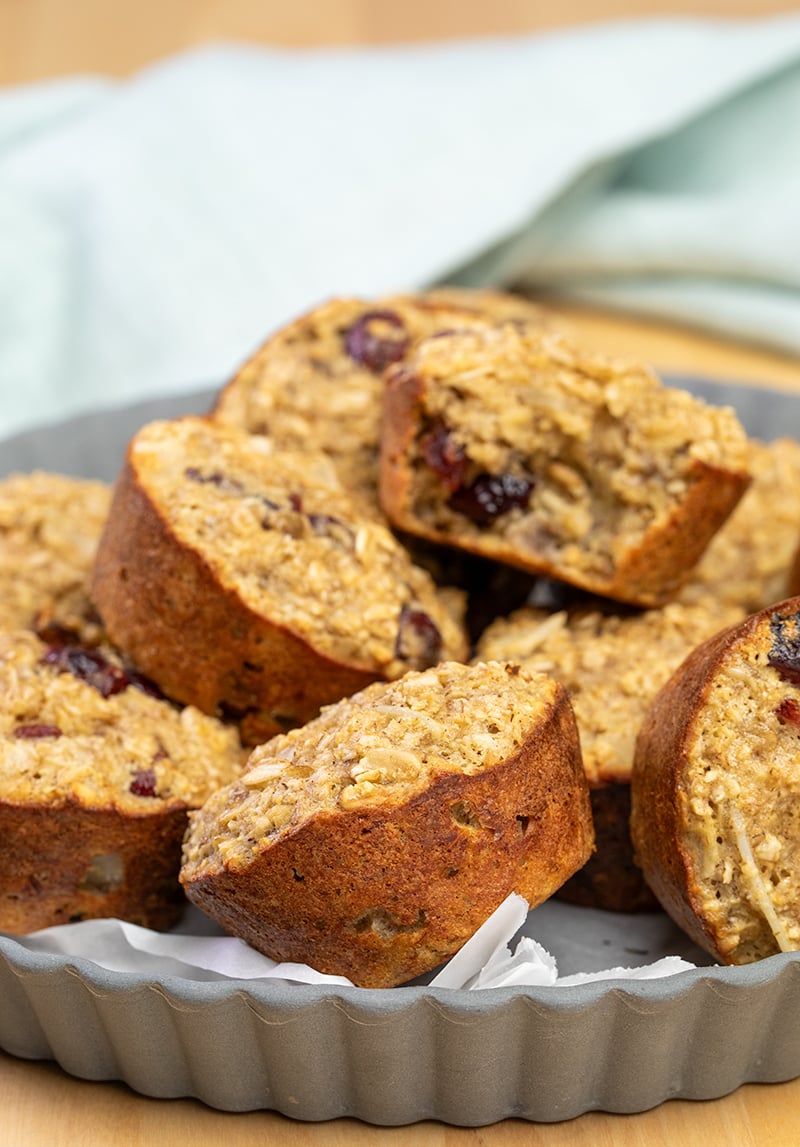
(408, 1054)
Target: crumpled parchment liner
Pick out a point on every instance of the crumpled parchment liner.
(485, 961)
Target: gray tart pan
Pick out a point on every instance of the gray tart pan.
(397, 1056)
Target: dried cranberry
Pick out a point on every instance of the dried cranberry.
(87, 665)
(785, 652)
(143, 783)
(490, 496)
(788, 712)
(143, 684)
(418, 638)
(444, 456)
(372, 350)
(34, 732)
(323, 525)
(214, 478)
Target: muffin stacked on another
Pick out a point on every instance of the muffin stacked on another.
(518, 446)
(374, 842)
(317, 384)
(244, 581)
(97, 775)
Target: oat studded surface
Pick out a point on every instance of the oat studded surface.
(606, 449)
(61, 740)
(748, 560)
(380, 747)
(49, 527)
(317, 384)
(741, 801)
(612, 665)
(278, 530)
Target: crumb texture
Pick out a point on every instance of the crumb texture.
(97, 776)
(317, 384)
(521, 446)
(612, 665)
(278, 531)
(49, 528)
(728, 770)
(66, 739)
(274, 595)
(748, 561)
(381, 746)
(373, 842)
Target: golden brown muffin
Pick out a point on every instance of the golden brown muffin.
(612, 665)
(715, 796)
(516, 445)
(794, 574)
(317, 384)
(96, 775)
(747, 562)
(49, 528)
(245, 582)
(376, 840)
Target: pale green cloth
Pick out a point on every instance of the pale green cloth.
(153, 231)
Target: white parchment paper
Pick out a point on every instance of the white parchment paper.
(197, 950)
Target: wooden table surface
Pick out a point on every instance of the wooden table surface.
(50, 37)
(41, 1105)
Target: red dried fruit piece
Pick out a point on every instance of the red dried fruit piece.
(143, 783)
(490, 496)
(444, 456)
(35, 732)
(785, 652)
(87, 665)
(90, 666)
(419, 641)
(788, 712)
(372, 350)
(214, 478)
(324, 525)
(143, 684)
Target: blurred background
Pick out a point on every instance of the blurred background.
(40, 38)
(180, 177)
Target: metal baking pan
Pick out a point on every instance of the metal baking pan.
(397, 1056)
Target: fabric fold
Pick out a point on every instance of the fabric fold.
(155, 230)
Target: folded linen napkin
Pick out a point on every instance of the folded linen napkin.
(153, 231)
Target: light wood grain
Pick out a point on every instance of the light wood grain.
(42, 1106)
(40, 38)
(678, 350)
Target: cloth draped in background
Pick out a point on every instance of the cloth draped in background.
(153, 231)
